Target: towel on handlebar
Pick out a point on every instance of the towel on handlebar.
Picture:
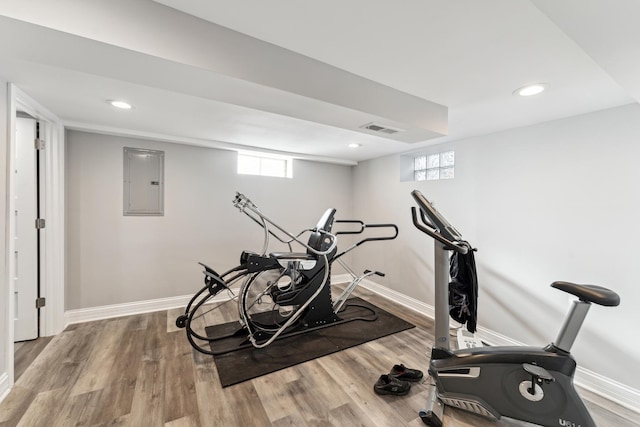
(463, 288)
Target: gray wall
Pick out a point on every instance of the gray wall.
(4, 283)
(113, 259)
(556, 201)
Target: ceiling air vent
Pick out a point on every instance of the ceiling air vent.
(375, 127)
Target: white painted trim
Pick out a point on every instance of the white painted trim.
(53, 278)
(495, 339)
(10, 245)
(608, 388)
(139, 307)
(130, 308)
(589, 380)
(52, 284)
(5, 387)
(395, 296)
(53, 245)
(340, 278)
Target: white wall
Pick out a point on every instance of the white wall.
(556, 201)
(4, 268)
(113, 259)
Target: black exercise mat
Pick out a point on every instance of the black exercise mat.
(250, 362)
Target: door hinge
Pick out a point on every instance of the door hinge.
(40, 223)
(41, 302)
(39, 144)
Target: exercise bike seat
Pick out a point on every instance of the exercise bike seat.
(589, 293)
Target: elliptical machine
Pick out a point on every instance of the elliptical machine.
(524, 383)
(282, 294)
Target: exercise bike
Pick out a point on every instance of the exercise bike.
(524, 383)
(281, 294)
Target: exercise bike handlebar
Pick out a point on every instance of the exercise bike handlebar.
(429, 229)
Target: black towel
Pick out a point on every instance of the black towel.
(463, 288)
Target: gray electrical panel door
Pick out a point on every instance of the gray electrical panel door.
(143, 182)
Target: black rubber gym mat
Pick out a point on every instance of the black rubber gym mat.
(250, 362)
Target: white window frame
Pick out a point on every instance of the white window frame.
(262, 160)
(435, 166)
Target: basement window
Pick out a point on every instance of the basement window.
(252, 163)
(434, 166)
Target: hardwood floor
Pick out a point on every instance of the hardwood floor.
(141, 371)
(25, 352)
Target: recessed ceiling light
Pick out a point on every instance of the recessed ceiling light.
(121, 104)
(354, 145)
(530, 90)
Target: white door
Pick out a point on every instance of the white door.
(25, 235)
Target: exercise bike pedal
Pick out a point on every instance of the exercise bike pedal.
(538, 373)
(532, 390)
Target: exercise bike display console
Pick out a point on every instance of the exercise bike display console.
(524, 383)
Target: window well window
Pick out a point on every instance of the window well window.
(434, 166)
(250, 163)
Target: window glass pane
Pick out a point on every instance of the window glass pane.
(433, 174)
(447, 159)
(438, 166)
(248, 165)
(273, 167)
(446, 173)
(433, 161)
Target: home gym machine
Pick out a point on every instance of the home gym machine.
(524, 383)
(281, 294)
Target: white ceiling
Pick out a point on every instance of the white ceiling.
(302, 77)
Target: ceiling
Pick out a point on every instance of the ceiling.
(303, 78)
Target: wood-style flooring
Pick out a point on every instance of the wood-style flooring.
(141, 371)
(25, 352)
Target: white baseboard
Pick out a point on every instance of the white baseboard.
(400, 298)
(139, 307)
(129, 308)
(589, 380)
(4, 386)
(608, 388)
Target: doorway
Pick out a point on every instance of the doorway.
(47, 194)
(25, 233)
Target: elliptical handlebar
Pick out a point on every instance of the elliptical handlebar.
(363, 227)
(247, 207)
